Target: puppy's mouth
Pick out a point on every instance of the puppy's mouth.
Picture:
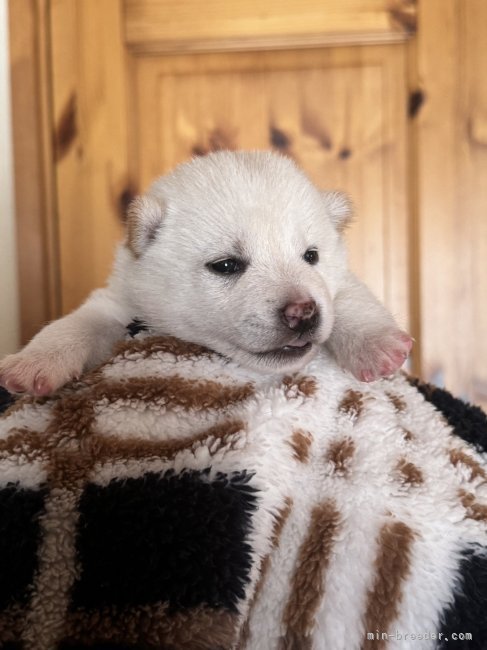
(294, 350)
(297, 347)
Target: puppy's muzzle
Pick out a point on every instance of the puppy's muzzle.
(301, 317)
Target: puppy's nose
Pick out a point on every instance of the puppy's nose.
(297, 314)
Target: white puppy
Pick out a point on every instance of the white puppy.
(238, 252)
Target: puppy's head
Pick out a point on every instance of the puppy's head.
(239, 252)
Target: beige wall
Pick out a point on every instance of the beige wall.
(9, 321)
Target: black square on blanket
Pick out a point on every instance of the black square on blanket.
(6, 399)
(19, 538)
(176, 538)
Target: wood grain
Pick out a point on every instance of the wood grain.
(34, 175)
(91, 140)
(452, 195)
(340, 113)
(221, 24)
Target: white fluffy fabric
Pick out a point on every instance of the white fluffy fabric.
(365, 502)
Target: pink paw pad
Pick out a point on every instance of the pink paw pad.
(407, 340)
(42, 387)
(384, 356)
(367, 375)
(14, 386)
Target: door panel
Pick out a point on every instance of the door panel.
(170, 25)
(451, 169)
(339, 112)
(89, 103)
(124, 115)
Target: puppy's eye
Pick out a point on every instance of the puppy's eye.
(311, 256)
(227, 267)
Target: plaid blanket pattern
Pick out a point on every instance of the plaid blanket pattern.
(172, 500)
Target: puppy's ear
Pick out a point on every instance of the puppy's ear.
(339, 208)
(144, 218)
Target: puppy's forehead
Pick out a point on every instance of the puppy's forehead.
(238, 223)
(251, 189)
(244, 174)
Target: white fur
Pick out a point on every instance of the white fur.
(259, 207)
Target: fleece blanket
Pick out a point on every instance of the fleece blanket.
(173, 500)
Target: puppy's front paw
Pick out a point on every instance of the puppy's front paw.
(380, 355)
(39, 373)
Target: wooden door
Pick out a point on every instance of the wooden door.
(140, 86)
(353, 90)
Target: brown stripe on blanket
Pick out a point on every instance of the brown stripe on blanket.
(153, 344)
(57, 570)
(475, 510)
(68, 468)
(408, 472)
(68, 463)
(352, 403)
(144, 348)
(300, 443)
(109, 448)
(20, 402)
(280, 518)
(307, 582)
(458, 456)
(26, 444)
(73, 415)
(407, 435)
(198, 394)
(295, 642)
(153, 626)
(299, 386)
(398, 402)
(392, 565)
(71, 467)
(340, 454)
